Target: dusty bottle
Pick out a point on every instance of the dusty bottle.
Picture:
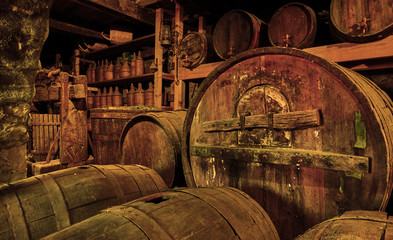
(139, 65)
(109, 97)
(125, 69)
(97, 99)
(116, 69)
(93, 72)
(117, 98)
(103, 98)
(108, 71)
(149, 95)
(130, 96)
(133, 65)
(139, 98)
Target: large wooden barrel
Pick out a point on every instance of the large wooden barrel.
(153, 140)
(106, 127)
(305, 137)
(360, 20)
(370, 225)
(293, 25)
(204, 213)
(196, 48)
(226, 35)
(38, 206)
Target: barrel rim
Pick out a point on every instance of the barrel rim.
(204, 44)
(337, 32)
(332, 67)
(309, 39)
(254, 21)
(164, 124)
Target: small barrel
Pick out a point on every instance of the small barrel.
(236, 32)
(153, 139)
(38, 206)
(293, 25)
(196, 48)
(197, 213)
(360, 20)
(106, 127)
(371, 225)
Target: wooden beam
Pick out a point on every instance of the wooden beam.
(346, 52)
(286, 156)
(125, 7)
(282, 121)
(179, 90)
(70, 28)
(159, 50)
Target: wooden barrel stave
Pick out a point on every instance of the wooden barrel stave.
(40, 205)
(346, 19)
(153, 140)
(203, 213)
(298, 21)
(237, 23)
(353, 225)
(290, 183)
(106, 125)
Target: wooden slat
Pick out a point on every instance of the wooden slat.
(287, 156)
(57, 200)
(283, 121)
(46, 133)
(70, 28)
(41, 137)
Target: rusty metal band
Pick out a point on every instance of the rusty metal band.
(17, 218)
(57, 200)
(114, 181)
(270, 120)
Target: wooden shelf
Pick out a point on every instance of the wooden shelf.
(133, 45)
(356, 56)
(148, 77)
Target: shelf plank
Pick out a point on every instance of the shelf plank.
(356, 56)
(346, 52)
(70, 28)
(148, 77)
(133, 45)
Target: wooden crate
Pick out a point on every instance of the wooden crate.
(43, 131)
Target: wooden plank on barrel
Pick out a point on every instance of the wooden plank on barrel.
(283, 121)
(16, 216)
(287, 156)
(57, 200)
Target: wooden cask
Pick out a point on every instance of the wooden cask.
(106, 127)
(293, 25)
(196, 48)
(198, 213)
(153, 139)
(38, 206)
(360, 20)
(305, 137)
(370, 225)
(226, 35)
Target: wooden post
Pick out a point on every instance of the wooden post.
(201, 24)
(179, 93)
(76, 63)
(158, 60)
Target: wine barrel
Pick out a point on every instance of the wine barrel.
(305, 137)
(203, 213)
(361, 21)
(196, 48)
(153, 140)
(370, 225)
(38, 206)
(226, 35)
(293, 25)
(106, 127)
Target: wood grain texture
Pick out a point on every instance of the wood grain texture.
(280, 81)
(153, 140)
(38, 206)
(107, 126)
(352, 225)
(346, 17)
(203, 213)
(296, 20)
(237, 23)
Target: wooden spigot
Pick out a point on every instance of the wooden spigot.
(364, 25)
(287, 42)
(231, 52)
